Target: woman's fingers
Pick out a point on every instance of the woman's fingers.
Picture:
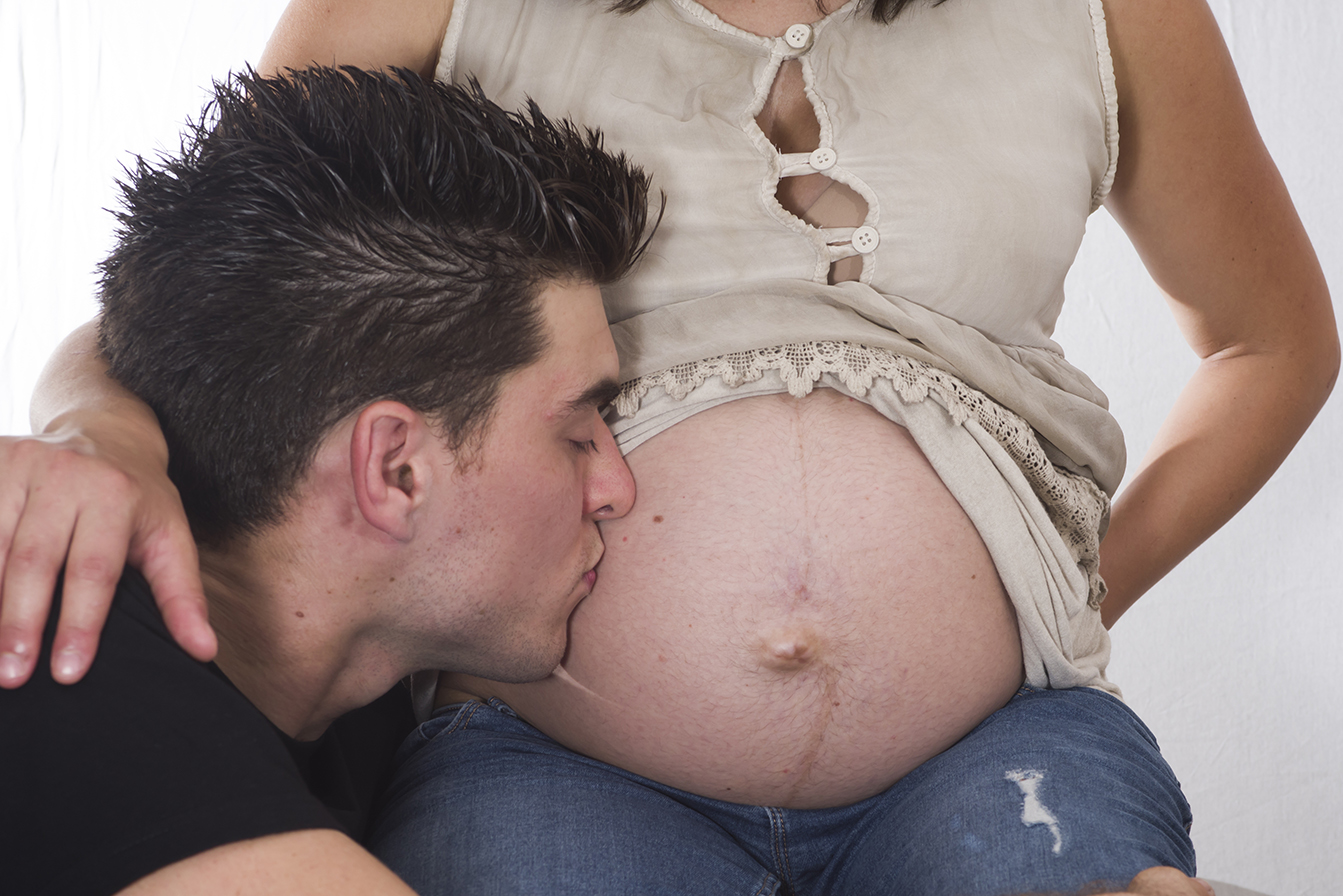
(63, 503)
(93, 566)
(166, 555)
(36, 526)
(141, 520)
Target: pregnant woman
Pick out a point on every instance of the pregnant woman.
(851, 638)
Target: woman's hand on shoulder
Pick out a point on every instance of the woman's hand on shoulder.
(66, 500)
(370, 34)
(89, 495)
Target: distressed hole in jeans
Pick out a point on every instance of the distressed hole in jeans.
(1033, 811)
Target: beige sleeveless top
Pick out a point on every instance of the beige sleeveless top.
(981, 133)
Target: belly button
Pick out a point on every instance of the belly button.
(791, 650)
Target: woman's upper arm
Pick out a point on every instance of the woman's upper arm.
(363, 33)
(1199, 196)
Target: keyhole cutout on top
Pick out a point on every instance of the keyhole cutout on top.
(789, 121)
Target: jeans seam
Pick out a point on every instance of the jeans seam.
(463, 717)
(765, 888)
(779, 845)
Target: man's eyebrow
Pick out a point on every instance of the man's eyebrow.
(595, 396)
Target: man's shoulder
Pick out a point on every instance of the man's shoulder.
(151, 758)
(137, 665)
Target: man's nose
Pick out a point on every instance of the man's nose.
(609, 487)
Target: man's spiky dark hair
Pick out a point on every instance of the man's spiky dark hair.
(335, 237)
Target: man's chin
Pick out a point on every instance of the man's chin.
(535, 665)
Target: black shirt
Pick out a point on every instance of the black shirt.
(155, 757)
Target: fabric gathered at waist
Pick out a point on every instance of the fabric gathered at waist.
(1062, 405)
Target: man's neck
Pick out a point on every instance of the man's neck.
(291, 637)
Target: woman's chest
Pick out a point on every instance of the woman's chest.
(967, 142)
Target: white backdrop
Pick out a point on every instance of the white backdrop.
(1233, 661)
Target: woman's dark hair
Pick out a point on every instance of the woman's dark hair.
(336, 237)
(883, 11)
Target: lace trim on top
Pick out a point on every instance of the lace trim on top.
(1075, 504)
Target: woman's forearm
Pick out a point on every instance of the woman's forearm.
(1198, 194)
(75, 394)
(1232, 425)
(363, 33)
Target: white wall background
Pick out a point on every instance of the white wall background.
(1234, 661)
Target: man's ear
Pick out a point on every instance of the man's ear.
(394, 455)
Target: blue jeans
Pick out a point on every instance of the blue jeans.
(1055, 791)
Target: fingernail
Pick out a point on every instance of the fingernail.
(67, 664)
(1207, 886)
(12, 667)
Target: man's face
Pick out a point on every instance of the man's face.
(525, 534)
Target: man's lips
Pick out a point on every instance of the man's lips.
(590, 578)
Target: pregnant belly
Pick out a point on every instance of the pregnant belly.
(795, 613)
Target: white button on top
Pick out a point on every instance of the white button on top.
(798, 36)
(823, 158)
(865, 239)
